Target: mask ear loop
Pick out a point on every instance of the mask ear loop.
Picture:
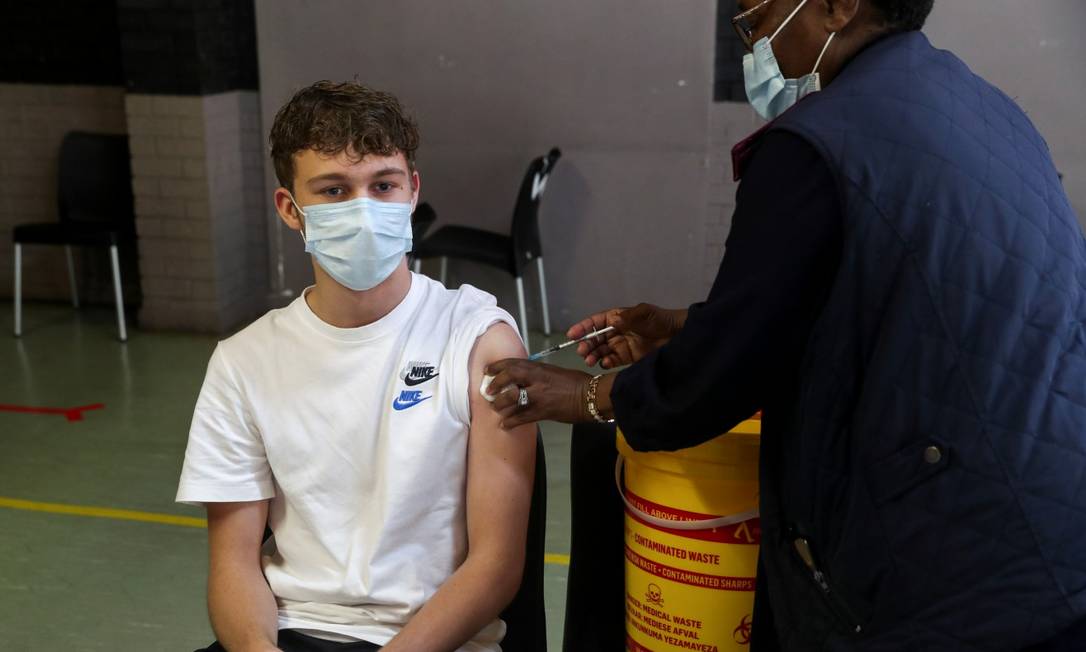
(823, 52)
(298, 208)
(787, 20)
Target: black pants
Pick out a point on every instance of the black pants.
(292, 641)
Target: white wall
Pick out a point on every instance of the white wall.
(623, 87)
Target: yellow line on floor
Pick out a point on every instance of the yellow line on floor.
(555, 558)
(102, 512)
(151, 517)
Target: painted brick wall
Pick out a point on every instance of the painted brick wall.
(194, 123)
(196, 167)
(235, 163)
(729, 122)
(169, 182)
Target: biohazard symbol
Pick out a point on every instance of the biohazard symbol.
(653, 595)
(742, 633)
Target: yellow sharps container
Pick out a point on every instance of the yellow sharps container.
(692, 535)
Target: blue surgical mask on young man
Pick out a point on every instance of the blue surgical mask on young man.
(358, 242)
(767, 89)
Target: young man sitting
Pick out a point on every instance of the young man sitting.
(351, 422)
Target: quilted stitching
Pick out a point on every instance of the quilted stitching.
(958, 316)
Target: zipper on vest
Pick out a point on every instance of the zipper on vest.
(837, 605)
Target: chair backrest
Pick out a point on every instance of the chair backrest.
(94, 181)
(526, 243)
(525, 618)
(421, 221)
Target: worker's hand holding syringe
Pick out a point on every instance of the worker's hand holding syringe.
(635, 333)
(523, 391)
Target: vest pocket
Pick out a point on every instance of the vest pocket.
(837, 605)
(896, 474)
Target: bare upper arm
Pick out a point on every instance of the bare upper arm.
(235, 531)
(501, 463)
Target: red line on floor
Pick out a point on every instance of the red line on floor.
(71, 414)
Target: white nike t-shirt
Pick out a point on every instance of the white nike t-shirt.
(359, 437)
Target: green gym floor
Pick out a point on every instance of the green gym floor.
(95, 553)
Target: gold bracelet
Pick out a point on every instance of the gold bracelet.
(590, 400)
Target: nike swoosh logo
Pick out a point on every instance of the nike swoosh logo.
(411, 382)
(400, 404)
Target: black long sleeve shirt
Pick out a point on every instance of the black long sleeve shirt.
(740, 350)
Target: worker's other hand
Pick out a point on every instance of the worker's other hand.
(638, 331)
(553, 393)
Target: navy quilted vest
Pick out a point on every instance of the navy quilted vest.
(937, 462)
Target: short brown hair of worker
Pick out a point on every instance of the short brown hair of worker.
(331, 117)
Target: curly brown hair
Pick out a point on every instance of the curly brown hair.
(332, 117)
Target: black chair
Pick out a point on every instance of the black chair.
(95, 208)
(596, 584)
(525, 617)
(421, 221)
(510, 253)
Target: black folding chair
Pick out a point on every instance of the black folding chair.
(525, 617)
(510, 253)
(421, 221)
(95, 205)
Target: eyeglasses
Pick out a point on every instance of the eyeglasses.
(743, 27)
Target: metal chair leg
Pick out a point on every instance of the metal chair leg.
(418, 265)
(523, 312)
(117, 292)
(543, 297)
(444, 268)
(18, 289)
(71, 276)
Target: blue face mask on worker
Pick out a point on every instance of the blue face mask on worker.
(767, 89)
(358, 242)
